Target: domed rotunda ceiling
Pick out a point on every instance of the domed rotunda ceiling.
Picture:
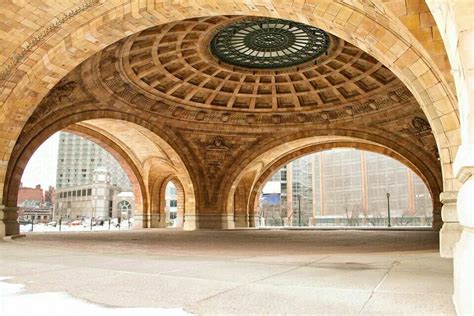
(248, 64)
(268, 43)
(247, 80)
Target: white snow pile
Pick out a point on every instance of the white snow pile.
(14, 303)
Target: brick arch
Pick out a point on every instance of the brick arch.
(158, 198)
(365, 24)
(278, 146)
(298, 153)
(28, 144)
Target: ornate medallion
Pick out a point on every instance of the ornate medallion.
(269, 43)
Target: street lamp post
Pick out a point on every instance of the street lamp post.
(299, 209)
(388, 209)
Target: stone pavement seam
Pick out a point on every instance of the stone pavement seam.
(262, 279)
(394, 264)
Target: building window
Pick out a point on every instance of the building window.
(124, 208)
(89, 192)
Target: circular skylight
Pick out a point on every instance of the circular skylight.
(269, 43)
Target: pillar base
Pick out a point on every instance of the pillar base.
(157, 221)
(9, 225)
(451, 230)
(463, 261)
(254, 220)
(448, 237)
(208, 221)
(140, 221)
(241, 220)
(463, 274)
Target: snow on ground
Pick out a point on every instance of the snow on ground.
(14, 303)
(74, 228)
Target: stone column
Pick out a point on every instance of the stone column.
(157, 220)
(463, 254)
(241, 220)
(241, 217)
(8, 221)
(208, 221)
(451, 231)
(254, 219)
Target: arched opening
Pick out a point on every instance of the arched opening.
(245, 194)
(174, 204)
(344, 188)
(140, 152)
(86, 175)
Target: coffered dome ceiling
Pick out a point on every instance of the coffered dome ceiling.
(188, 64)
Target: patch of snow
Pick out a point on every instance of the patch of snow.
(14, 303)
(41, 227)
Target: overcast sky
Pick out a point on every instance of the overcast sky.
(41, 168)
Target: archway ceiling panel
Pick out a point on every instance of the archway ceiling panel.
(145, 146)
(173, 62)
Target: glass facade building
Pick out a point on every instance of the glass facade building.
(345, 187)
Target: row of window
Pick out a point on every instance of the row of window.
(83, 192)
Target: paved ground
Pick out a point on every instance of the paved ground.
(239, 272)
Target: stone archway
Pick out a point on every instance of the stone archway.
(267, 171)
(141, 153)
(368, 25)
(127, 160)
(254, 169)
(158, 192)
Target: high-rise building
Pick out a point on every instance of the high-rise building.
(78, 157)
(345, 187)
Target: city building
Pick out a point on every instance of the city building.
(93, 200)
(88, 179)
(30, 196)
(35, 204)
(345, 187)
(35, 214)
(78, 157)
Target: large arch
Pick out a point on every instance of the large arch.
(126, 158)
(253, 165)
(245, 189)
(141, 152)
(300, 152)
(368, 25)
